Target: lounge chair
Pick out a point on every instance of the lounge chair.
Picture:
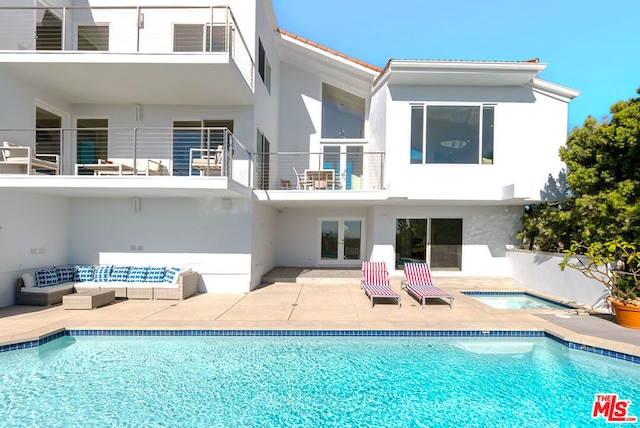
(418, 284)
(16, 159)
(375, 282)
(124, 166)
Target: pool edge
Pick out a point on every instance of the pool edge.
(571, 344)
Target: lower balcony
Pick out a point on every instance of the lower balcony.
(179, 158)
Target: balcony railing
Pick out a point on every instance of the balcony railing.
(189, 152)
(357, 170)
(100, 152)
(136, 29)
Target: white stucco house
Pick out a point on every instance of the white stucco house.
(205, 136)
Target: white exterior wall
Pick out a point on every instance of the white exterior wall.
(209, 235)
(529, 129)
(34, 233)
(18, 105)
(301, 110)
(264, 240)
(298, 234)
(540, 272)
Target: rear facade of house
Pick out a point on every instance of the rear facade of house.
(206, 137)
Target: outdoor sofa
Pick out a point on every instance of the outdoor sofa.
(47, 286)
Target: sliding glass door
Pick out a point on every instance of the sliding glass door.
(436, 241)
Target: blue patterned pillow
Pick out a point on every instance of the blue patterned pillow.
(171, 274)
(137, 274)
(84, 273)
(155, 274)
(103, 273)
(66, 273)
(46, 277)
(119, 273)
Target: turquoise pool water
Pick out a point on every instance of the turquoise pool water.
(307, 381)
(500, 300)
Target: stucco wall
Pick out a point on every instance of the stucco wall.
(540, 272)
(209, 235)
(529, 128)
(34, 232)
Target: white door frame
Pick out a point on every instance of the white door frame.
(340, 260)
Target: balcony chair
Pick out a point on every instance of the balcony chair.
(15, 159)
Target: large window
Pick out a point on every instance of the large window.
(342, 114)
(452, 134)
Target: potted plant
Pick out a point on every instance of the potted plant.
(616, 264)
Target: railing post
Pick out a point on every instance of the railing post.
(208, 146)
(135, 151)
(63, 46)
(140, 25)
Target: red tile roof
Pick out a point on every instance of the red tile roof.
(329, 50)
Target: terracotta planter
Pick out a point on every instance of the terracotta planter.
(627, 315)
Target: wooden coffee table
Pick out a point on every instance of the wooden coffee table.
(88, 299)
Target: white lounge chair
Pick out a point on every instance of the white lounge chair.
(15, 159)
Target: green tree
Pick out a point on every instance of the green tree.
(603, 177)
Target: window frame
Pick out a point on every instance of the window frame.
(264, 67)
(92, 25)
(484, 146)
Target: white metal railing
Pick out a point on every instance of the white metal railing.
(320, 171)
(209, 30)
(178, 152)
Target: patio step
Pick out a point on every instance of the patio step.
(312, 275)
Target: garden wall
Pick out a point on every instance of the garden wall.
(540, 272)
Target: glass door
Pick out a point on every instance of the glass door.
(91, 143)
(341, 241)
(443, 249)
(347, 163)
(446, 243)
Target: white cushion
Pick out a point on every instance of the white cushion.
(49, 289)
(29, 279)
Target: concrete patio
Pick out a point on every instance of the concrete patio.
(326, 301)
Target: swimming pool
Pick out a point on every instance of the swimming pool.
(515, 300)
(307, 381)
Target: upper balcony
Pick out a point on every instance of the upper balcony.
(129, 55)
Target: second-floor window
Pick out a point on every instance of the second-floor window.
(342, 114)
(452, 134)
(201, 38)
(264, 68)
(93, 37)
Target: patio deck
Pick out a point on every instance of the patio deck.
(322, 300)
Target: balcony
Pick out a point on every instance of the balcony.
(179, 161)
(321, 173)
(183, 159)
(129, 55)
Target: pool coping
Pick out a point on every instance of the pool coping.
(63, 332)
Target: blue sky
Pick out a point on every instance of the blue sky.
(592, 46)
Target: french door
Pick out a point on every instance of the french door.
(341, 241)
